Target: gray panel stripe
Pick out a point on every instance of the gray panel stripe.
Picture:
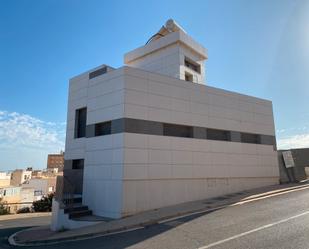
(139, 126)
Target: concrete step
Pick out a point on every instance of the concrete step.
(77, 214)
(75, 208)
(92, 218)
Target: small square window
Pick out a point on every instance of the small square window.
(78, 164)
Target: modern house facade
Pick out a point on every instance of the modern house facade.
(152, 133)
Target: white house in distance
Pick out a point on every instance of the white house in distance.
(152, 133)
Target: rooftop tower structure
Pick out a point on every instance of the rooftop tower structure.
(172, 52)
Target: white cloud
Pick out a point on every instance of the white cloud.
(280, 130)
(295, 141)
(26, 140)
(22, 130)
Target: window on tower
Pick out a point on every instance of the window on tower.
(192, 65)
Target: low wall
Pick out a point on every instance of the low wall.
(297, 173)
(145, 195)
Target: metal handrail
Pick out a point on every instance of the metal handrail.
(65, 190)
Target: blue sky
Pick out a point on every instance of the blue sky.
(258, 48)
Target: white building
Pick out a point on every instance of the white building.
(41, 186)
(20, 176)
(5, 179)
(17, 197)
(153, 134)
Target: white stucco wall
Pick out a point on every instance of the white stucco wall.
(161, 170)
(103, 97)
(157, 97)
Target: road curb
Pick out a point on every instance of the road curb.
(111, 232)
(137, 226)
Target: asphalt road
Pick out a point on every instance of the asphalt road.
(278, 222)
(8, 227)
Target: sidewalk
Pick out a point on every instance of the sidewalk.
(23, 216)
(42, 235)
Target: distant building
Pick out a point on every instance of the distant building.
(42, 186)
(55, 161)
(19, 176)
(5, 179)
(16, 197)
(10, 195)
(37, 173)
(27, 196)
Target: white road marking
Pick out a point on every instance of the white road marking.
(245, 200)
(268, 196)
(252, 231)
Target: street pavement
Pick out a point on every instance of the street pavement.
(10, 226)
(280, 222)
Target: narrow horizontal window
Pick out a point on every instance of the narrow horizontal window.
(250, 138)
(267, 139)
(221, 135)
(128, 125)
(98, 72)
(103, 128)
(192, 65)
(78, 164)
(177, 130)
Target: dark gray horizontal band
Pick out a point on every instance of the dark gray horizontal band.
(139, 126)
(98, 72)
